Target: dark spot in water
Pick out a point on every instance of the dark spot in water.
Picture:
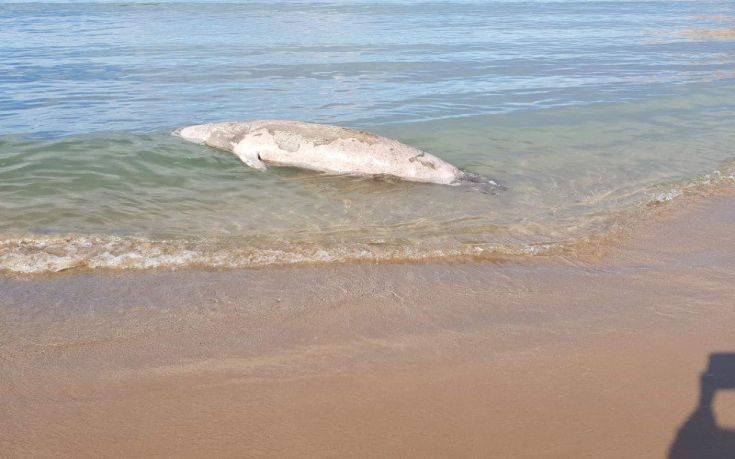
(481, 183)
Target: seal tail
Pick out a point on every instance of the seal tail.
(480, 183)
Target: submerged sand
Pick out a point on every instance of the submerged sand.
(552, 357)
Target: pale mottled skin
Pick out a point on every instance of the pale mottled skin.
(326, 148)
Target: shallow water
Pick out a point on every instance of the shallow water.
(586, 111)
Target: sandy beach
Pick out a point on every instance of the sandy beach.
(551, 357)
(367, 228)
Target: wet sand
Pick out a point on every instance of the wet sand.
(551, 357)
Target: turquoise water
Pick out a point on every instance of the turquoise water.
(584, 110)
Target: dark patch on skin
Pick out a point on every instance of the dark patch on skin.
(428, 164)
(422, 161)
(224, 138)
(317, 143)
(219, 139)
(287, 142)
(239, 138)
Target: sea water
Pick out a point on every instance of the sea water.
(586, 111)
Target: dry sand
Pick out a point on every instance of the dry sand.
(543, 358)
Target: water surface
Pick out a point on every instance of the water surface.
(586, 111)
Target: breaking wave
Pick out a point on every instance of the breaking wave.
(47, 254)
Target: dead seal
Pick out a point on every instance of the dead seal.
(328, 148)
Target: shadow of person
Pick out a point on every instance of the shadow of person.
(700, 436)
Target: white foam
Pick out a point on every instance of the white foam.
(49, 254)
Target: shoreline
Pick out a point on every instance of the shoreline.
(554, 357)
(34, 257)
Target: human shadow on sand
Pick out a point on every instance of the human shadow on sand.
(700, 436)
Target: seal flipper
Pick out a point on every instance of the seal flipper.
(249, 156)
